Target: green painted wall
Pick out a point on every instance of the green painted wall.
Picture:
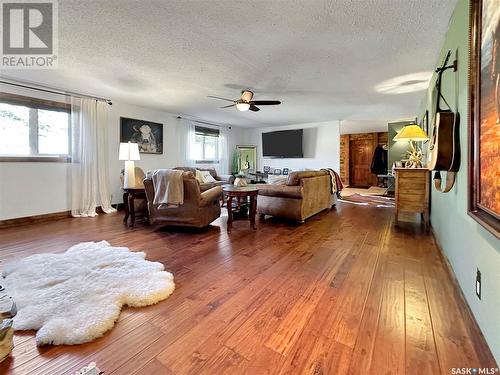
(466, 244)
(397, 150)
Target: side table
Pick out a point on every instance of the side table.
(247, 192)
(129, 197)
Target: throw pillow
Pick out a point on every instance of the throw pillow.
(199, 177)
(207, 177)
(277, 180)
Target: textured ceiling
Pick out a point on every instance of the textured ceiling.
(323, 59)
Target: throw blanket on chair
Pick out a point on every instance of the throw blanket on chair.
(336, 182)
(169, 188)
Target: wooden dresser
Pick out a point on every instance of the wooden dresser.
(412, 192)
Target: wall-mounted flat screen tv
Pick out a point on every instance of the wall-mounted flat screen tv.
(283, 144)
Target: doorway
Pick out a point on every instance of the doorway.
(360, 158)
(356, 154)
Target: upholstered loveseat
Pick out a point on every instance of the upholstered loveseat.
(220, 179)
(304, 195)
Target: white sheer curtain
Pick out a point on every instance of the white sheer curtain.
(103, 156)
(224, 150)
(185, 129)
(89, 174)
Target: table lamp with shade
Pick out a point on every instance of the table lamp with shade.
(412, 133)
(129, 152)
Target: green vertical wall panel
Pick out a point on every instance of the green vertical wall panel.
(466, 244)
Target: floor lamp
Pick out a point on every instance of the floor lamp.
(129, 152)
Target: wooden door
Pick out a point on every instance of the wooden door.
(360, 159)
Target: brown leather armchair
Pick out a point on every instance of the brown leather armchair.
(199, 209)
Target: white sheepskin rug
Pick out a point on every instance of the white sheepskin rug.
(76, 296)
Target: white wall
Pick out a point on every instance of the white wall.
(33, 189)
(28, 189)
(321, 146)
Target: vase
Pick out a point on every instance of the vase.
(240, 181)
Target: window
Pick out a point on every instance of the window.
(33, 129)
(206, 145)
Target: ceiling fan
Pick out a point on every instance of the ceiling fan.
(245, 102)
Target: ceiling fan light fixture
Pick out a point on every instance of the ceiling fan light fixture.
(245, 102)
(242, 106)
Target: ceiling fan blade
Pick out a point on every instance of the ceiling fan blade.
(227, 106)
(265, 102)
(254, 108)
(218, 97)
(246, 95)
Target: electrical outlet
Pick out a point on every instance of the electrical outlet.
(478, 284)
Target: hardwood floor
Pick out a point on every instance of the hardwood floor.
(344, 293)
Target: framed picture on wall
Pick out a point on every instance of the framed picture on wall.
(484, 115)
(149, 135)
(247, 156)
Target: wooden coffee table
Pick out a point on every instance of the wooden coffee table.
(246, 192)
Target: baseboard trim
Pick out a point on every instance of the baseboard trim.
(35, 219)
(467, 315)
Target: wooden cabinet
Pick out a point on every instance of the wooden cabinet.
(412, 192)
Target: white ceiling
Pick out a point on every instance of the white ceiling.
(323, 59)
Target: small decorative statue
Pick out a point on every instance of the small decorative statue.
(415, 157)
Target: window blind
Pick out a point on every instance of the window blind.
(210, 132)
